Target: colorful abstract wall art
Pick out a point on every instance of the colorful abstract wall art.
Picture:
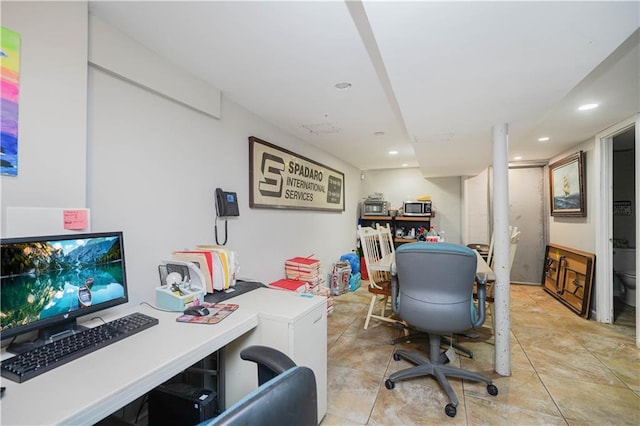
(9, 88)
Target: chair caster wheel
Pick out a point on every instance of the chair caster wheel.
(492, 389)
(450, 410)
(396, 357)
(389, 384)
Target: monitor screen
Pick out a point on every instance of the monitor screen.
(47, 282)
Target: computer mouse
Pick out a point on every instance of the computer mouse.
(197, 310)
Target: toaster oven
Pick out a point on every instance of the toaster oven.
(375, 208)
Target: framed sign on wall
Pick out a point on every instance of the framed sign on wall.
(281, 179)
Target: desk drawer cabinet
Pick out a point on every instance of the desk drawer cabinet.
(304, 339)
(288, 322)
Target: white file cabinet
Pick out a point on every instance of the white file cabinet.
(292, 323)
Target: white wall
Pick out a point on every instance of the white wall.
(149, 166)
(52, 126)
(399, 185)
(476, 218)
(576, 232)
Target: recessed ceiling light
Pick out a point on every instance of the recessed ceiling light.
(405, 165)
(587, 107)
(543, 139)
(517, 158)
(393, 152)
(342, 86)
(378, 133)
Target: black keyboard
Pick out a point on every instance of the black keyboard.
(34, 362)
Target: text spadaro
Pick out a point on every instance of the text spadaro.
(304, 171)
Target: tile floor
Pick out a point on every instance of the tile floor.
(565, 370)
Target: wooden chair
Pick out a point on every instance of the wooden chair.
(386, 240)
(379, 281)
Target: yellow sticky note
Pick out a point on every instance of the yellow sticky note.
(75, 219)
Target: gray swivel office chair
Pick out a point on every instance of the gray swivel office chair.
(432, 291)
(286, 395)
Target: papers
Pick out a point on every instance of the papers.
(218, 265)
(203, 259)
(290, 285)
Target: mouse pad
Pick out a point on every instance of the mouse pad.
(217, 312)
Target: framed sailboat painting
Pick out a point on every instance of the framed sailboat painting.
(567, 186)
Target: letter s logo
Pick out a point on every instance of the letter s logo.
(271, 183)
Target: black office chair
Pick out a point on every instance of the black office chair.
(432, 291)
(286, 394)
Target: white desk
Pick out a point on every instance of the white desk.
(92, 387)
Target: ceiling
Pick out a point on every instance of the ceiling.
(428, 79)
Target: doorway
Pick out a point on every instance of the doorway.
(624, 221)
(526, 211)
(603, 182)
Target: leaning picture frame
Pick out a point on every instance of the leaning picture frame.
(567, 186)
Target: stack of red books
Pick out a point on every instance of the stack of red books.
(304, 269)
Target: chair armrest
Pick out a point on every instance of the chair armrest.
(395, 306)
(271, 362)
(481, 284)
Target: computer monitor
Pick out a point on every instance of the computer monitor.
(47, 282)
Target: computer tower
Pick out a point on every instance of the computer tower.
(180, 404)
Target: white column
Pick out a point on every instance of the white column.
(501, 249)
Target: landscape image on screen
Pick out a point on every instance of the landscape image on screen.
(44, 279)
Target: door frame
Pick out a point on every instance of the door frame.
(603, 191)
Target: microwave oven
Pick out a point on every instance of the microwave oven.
(416, 208)
(375, 208)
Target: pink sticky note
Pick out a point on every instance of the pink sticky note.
(75, 219)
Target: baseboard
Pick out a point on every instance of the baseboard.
(525, 283)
